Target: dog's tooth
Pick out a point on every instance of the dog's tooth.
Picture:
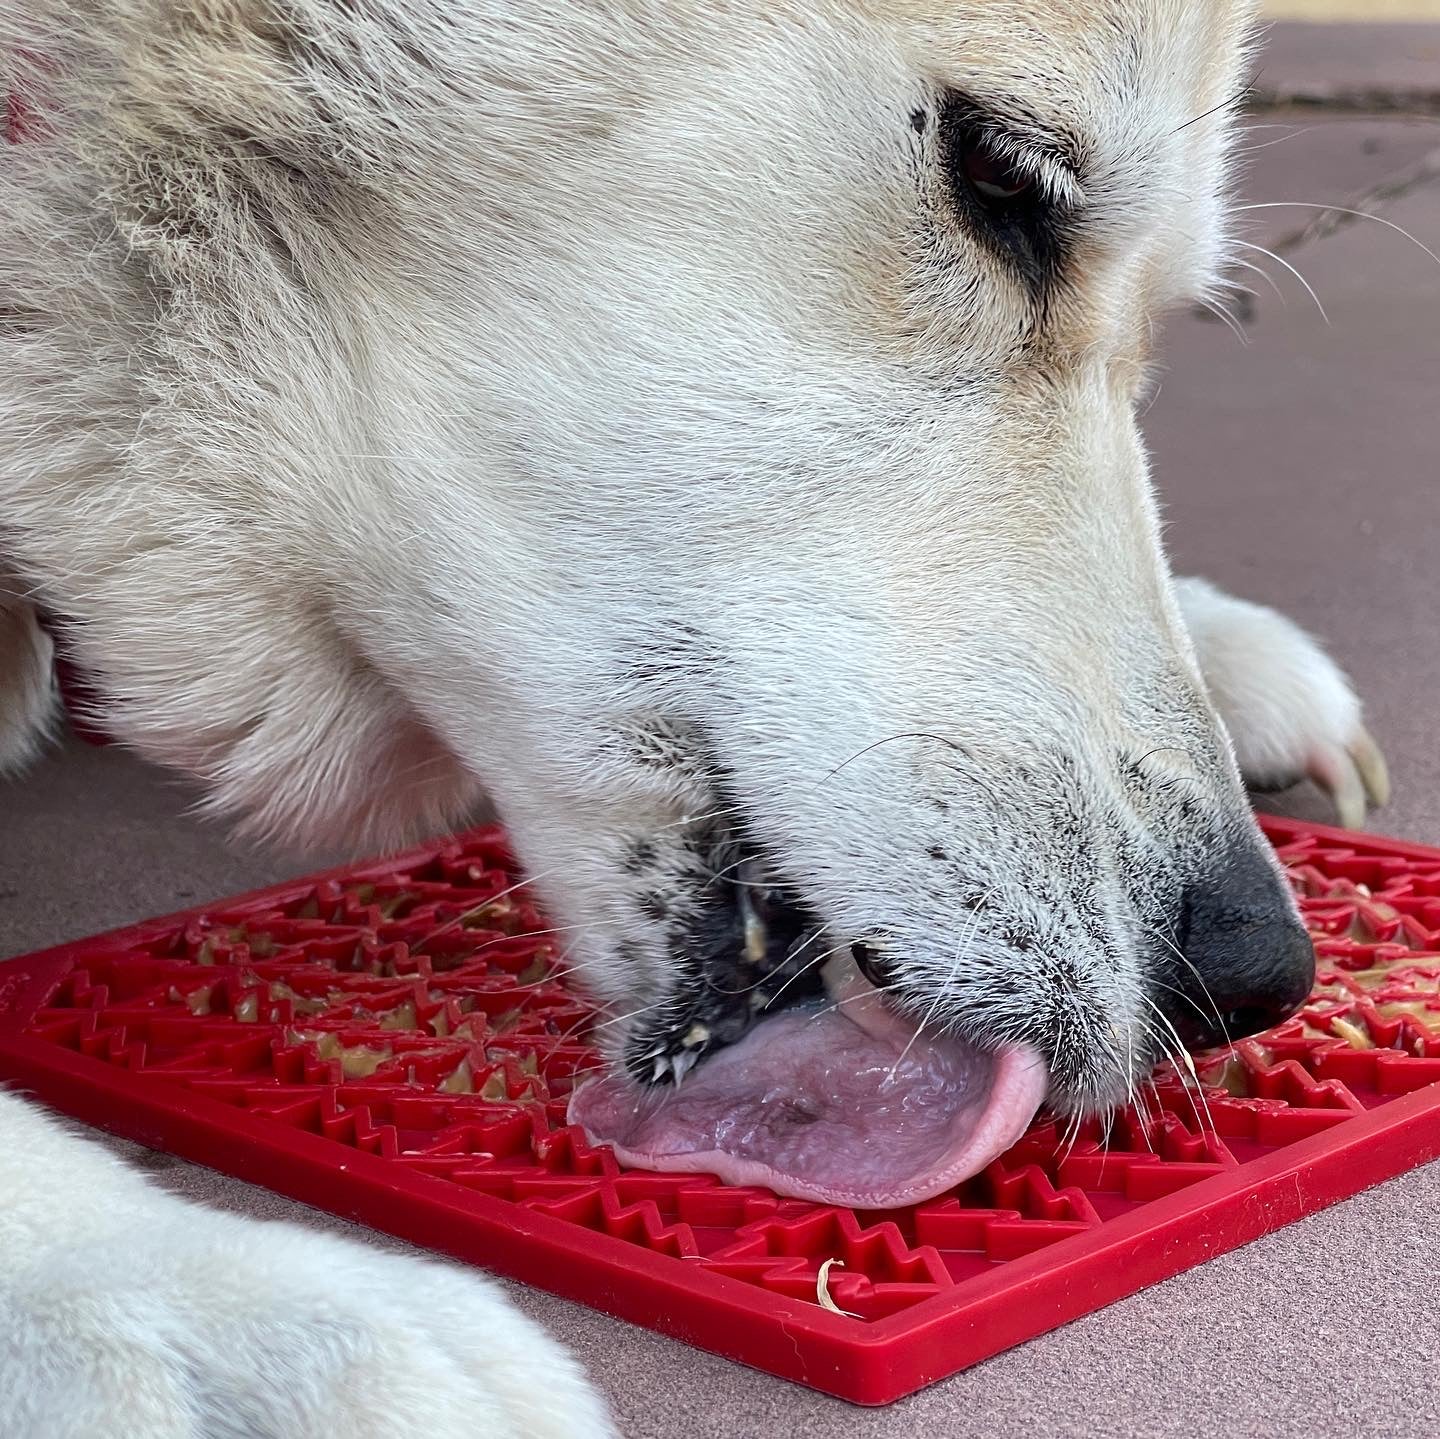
(661, 1066)
(747, 878)
(754, 937)
(683, 1064)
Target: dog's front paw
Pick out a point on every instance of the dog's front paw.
(206, 1326)
(1291, 712)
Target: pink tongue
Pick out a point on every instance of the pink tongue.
(840, 1105)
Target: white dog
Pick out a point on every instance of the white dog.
(710, 431)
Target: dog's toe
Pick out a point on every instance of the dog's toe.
(1356, 777)
(1291, 712)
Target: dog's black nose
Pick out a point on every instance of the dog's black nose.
(1249, 964)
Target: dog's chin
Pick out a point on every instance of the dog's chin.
(829, 1096)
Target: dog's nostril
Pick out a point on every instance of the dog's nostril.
(1248, 963)
(1255, 1019)
(875, 967)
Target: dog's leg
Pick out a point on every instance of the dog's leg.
(125, 1310)
(29, 700)
(1290, 710)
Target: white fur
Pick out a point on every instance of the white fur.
(612, 407)
(127, 1311)
(1289, 709)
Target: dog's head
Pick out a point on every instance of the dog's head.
(861, 640)
(764, 382)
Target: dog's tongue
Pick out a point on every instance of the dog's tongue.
(841, 1103)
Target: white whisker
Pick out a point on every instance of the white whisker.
(1281, 260)
(1345, 210)
(960, 944)
(1264, 275)
(1212, 307)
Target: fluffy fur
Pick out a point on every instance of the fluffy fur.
(156, 1319)
(616, 409)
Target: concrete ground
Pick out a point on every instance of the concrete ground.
(1368, 11)
(1299, 468)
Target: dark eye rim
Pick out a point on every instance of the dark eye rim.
(1021, 224)
(994, 178)
(978, 165)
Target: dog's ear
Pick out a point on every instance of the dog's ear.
(29, 695)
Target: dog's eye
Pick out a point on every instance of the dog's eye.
(1000, 200)
(994, 179)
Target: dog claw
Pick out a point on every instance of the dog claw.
(1356, 779)
(1375, 773)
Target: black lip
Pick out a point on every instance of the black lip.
(877, 968)
(720, 992)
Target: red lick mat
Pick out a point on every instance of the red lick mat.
(394, 1043)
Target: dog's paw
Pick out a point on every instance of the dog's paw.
(208, 1326)
(1291, 712)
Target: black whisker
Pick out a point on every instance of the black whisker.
(1233, 103)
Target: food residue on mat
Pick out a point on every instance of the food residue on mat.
(822, 1289)
(1352, 1034)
